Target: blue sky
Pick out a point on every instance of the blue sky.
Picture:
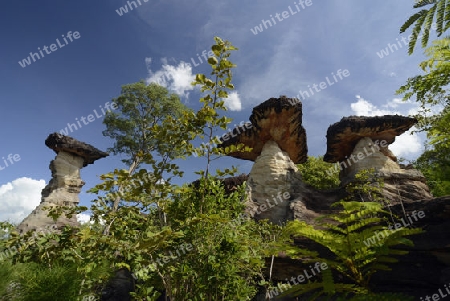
(157, 40)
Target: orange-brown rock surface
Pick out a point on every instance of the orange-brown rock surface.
(278, 120)
(343, 136)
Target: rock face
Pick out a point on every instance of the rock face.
(278, 142)
(343, 136)
(66, 183)
(271, 177)
(426, 268)
(357, 143)
(278, 120)
(354, 143)
(119, 287)
(367, 154)
(87, 152)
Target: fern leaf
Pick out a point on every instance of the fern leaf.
(362, 224)
(328, 282)
(427, 23)
(412, 19)
(440, 17)
(416, 31)
(447, 17)
(421, 3)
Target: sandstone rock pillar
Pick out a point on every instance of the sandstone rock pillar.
(65, 185)
(358, 142)
(269, 184)
(278, 142)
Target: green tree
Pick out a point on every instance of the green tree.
(137, 131)
(318, 173)
(436, 170)
(225, 250)
(430, 90)
(423, 20)
(227, 259)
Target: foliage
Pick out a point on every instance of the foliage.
(228, 250)
(429, 89)
(141, 127)
(316, 173)
(228, 255)
(347, 234)
(141, 108)
(7, 275)
(155, 219)
(36, 282)
(366, 186)
(432, 94)
(423, 20)
(208, 118)
(436, 170)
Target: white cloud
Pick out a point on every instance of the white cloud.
(365, 108)
(19, 197)
(405, 144)
(83, 218)
(178, 79)
(233, 102)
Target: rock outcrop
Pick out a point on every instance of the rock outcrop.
(343, 136)
(357, 143)
(278, 142)
(278, 120)
(119, 287)
(66, 183)
(269, 184)
(424, 270)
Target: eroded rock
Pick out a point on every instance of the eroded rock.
(358, 143)
(65, 185)
(269, 184)
(278, 120)
(278, 142)
(343, 136)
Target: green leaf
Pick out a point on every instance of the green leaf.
(212, 61)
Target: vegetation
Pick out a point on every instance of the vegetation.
(439, 10)
(430, 90)
(191, 241)
(318, 173)
(349, 235)
(37, 282)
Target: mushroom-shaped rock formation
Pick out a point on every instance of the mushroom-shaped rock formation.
(343, 135)
(278, 120)
(278, 142)
(66, 183)
(358, 142)
(58, 142)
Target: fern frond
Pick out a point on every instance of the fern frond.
(427, 25)
(357, 226)
(447, 17)
(421, 3)
(360, 243)
(412, 19)
(423, 21)
(416, 31)
(328, 282)
(440, 17)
